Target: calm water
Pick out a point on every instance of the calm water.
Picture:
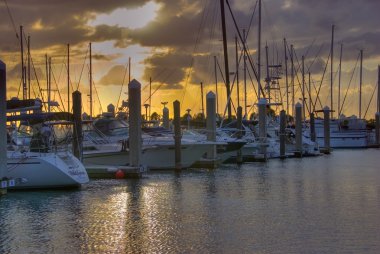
(329, 204)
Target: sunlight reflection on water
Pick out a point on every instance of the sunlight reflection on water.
(327, 204)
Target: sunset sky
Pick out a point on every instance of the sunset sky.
(174, 42)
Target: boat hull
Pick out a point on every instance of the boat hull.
(154, 157)
(40, 171)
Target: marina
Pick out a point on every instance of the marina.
(250, 148)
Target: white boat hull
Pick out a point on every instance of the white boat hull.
(45, 170)
(154, 157)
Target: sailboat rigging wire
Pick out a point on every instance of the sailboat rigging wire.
(159, 86)
(122, 84)
(38, 82)
(320, 85)
(11, 17)
(250, 21)
(349, 84)
(315, 58)
(254, 89)
(241, 38)
(220, 70)
(299, 84)
(59, 93)
(194, 50)
(81, 72)
(97, 95)
(308, 49)
(373, 93)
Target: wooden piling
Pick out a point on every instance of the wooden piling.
(134, 98)
(3, 120)
(313, 135)
(239, 117)
(282, 133)
(262, 105)
(298, 110)
(77, 133)
(165, 117)
(177, 134)
(326, 129)
(377, 117)
(211, 123)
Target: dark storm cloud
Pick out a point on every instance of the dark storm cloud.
(63, 21)
(168, 68)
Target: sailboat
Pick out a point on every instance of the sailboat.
(36, 157)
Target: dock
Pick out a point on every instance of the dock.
(114, 172)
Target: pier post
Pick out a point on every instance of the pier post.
(134, 98)
(177, 134)
(298, 151)
(239, 118)
(165, 118)
(377, 117)
(313, 135)
(3, 130)
(211, 123)
(77, 115)
(282, 133)
(263, 126)
(326, 128)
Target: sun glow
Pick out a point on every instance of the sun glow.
(131, 18)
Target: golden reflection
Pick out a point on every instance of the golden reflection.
(104, 222)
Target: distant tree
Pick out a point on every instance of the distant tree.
(185, 116)
(155, 116)
(199, 116)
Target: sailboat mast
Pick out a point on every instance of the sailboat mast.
(49, 85)
(378, 89)
(267, 79)
(292, 76)
(331, 72)
(259, 53)
(361, 84)
(203, 108)
(237, 71)
(129, 70)
(245, 76)
(47, 80)
(310, 111)
(286, 77)
(226, 69)
(340, 76)
(90, 45)
(216, 84)
(150, 98)
(303, 87)
(22, 63)
(68, 78)
(29, 67)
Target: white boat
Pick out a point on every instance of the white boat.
(34, 170)
(157, 150)
(160, 156)
(226, 146)
(344, 133)
(34, 162)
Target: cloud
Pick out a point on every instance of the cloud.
(114, 76)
